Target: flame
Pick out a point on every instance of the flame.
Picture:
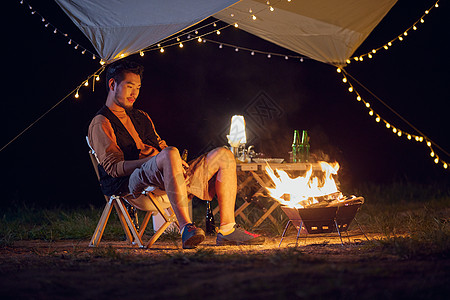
(304, 190)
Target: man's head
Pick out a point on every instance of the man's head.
(123, 79)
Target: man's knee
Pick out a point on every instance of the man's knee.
(168, 155)
(223, 157)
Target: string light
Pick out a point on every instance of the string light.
(395, 130)
(400, 37)
(55, 30)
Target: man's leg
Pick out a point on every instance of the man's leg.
(169, 162)
(222, 162)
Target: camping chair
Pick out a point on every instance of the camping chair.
(156, 201)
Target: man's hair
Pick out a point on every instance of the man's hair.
(118, 69)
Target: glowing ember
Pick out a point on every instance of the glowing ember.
(304, 190)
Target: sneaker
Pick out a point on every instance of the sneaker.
(192, 236)
(239, 236)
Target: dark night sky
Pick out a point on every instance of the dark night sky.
(191, 94)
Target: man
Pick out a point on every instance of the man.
(132, 156)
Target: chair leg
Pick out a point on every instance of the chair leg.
(144, 224)
(98, 233)
(130, 224)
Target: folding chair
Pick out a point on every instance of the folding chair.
(156, 201)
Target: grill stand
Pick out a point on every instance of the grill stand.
(343, 215)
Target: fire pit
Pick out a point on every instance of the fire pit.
(323, 217)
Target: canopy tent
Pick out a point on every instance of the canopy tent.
(327, 30)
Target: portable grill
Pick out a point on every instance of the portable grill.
(335, 217)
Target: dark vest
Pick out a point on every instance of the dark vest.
(119, 185)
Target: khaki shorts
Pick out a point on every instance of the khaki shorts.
(198, 183)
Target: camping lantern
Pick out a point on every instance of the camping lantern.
(237, 136)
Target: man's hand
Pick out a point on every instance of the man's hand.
(185, 165)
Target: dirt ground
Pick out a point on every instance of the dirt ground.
(318, 267)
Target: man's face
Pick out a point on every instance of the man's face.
(127, 91)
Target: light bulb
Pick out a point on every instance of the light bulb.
(348, 61)
(417, 138)
(86, 83)
(394, 130)
(436, 160)
(286, 57)
(428, 143)
(371, 112)
(414, 27)
(378, 119)
(389, 44)
(369, 55)
(367, 104)
(385, 47)
(445, 166)
(77, 95)
(358, 98)
(432, 154)
(269, 56)
(236, 25)
(252, 53)
(97, 78)
(178, 39)
(374, 51)
(253, 17)
(199, 39)
(350, 89)
(399, 133)
(271, 8)
(339, 70)
(141, 53)
(436, 5)
(405, 33)
(220, 46)
(344, 80)
(426, 12)
(161, 50)
(180, 45)
(388, 125)
(409, 136)
(218, 32)
(422, 21)
(400, 38)
(102, 62)
(236, 49)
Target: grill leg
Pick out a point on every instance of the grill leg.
(284, 232)
(337, 228)
(360, 228)
(298, 233)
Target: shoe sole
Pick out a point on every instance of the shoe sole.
(255, 241)
(193, 241)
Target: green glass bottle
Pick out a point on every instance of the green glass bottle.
(304, 147)
(295, 146)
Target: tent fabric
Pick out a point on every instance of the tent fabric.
(325, 30)
(119, 28)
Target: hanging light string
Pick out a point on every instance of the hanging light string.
(193, 34)
(95, 77)
(420, 137)
(56, 30)
(400, 37)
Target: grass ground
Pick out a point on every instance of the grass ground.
(44, 254)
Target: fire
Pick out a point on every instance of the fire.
(304, 190)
